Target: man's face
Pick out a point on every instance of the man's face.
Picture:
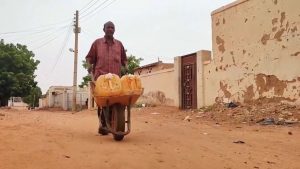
(109, 29)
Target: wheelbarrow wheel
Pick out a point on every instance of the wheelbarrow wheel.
(118, 120)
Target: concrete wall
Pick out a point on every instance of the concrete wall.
(202, 57)
(147, 70)
(177, 82)
(256, 52)
(45, 101)
(154, 68)
(16, 104)
(81, 97)
(162, 80)
(63, 97)
(58, 100)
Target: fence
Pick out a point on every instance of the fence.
(81, 99)
(64, 100)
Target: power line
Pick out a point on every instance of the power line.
(47, 42)
(89, 7)
(33, 34)
(46, 36)
(59, 59)
(32, 29)
(53, 66)
(85, 34)
(91, 32)
(89, 35)
(98, 11)
(30, 33)
(86, 5)
(94, 9)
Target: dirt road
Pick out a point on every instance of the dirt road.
(62, 140)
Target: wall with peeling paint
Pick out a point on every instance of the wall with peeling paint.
(256, 51)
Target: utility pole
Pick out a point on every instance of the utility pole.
(76, 31)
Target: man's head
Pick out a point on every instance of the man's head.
(109, 29)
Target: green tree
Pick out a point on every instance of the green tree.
(86, 79)
(17, 67)
(33, 98)
(132, 63)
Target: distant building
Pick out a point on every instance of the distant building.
(153, 67)
(16, 102)
(61, 96)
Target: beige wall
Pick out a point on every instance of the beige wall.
(17, 104)
(45, 102)
(202, 57)
(177, 82)
(159, 66)
(256, 52)
(145, 71)
(162, 80)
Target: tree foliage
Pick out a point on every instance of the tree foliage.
(33, 98)
(17, 67)
(132, 63)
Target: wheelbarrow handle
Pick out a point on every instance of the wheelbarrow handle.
(92, 76)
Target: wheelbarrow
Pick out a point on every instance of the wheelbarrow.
(111, 111)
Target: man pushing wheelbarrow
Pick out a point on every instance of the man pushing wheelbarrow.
(106, 55)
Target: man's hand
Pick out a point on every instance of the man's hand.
(126, 69)
(90, 67)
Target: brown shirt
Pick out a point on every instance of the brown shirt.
(106, 58)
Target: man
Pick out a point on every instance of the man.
(106, 55)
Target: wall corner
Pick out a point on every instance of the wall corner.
(202, 56)
(177, 82)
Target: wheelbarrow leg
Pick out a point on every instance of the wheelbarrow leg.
(102, 124)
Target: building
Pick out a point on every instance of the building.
(153, 67)
(255, 56)
(17, 102)
(62, 96)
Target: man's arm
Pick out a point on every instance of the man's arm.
(123, 57)
(91, 57)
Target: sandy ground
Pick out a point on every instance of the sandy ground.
(56, 139)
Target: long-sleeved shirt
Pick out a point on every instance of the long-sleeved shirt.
(106, 58)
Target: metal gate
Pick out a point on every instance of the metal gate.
(189, 82)
(80, 100)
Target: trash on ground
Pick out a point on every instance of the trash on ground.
(232, 105)
(271, 121)
(154, 113)
(270, 162)
(187, 118)
(239, 142)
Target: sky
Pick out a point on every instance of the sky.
(149, 29)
